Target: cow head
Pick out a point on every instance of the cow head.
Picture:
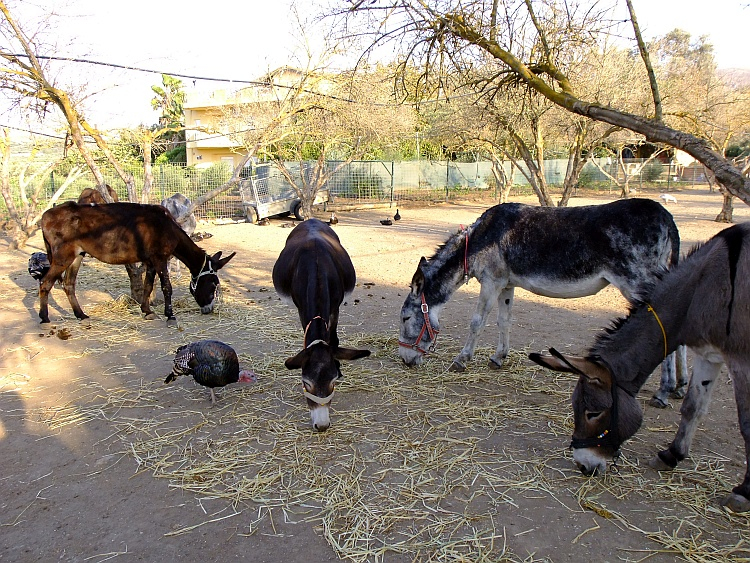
(204, 285)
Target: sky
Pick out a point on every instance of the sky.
(243, 40)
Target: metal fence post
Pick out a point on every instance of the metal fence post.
(392, 174)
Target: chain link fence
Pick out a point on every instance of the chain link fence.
(365, 182)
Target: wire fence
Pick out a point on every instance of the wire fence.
(362, 182)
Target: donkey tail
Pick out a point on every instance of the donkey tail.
(674, 237)
(733, 238)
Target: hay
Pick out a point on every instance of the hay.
(417, 462)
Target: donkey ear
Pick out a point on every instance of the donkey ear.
(350, 354)
(298, 361)
(558, 362)
(593, 372)
(417, 282)
(220, 262)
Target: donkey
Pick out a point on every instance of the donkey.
(703, 304)
(314, 273)
(551, 251)
(124, 233)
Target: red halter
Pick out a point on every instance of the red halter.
(427, 326)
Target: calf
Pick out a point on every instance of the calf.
(124, 233)
(315, 273)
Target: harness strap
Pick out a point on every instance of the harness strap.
(307, 327)
(322, 401)
(194, 279)
(426, 327)
(661, 326)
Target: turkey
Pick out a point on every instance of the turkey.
(211, 363)
(397, 216)
(38, 265)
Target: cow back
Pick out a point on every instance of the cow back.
(116, 233)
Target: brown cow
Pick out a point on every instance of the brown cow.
(124, 233)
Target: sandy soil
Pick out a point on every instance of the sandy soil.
(100, 460)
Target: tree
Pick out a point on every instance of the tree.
(26, 209)
(310, 117)
(170, 99)
(530, 46)
(698, 99)
(26, 78)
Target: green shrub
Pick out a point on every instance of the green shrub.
(652, 171)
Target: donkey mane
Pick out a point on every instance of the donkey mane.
(447, 258)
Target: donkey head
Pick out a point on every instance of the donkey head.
(204, 285)
(419, 321)
(604, 414)
(321, 370)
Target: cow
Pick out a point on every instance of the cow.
(124, 233)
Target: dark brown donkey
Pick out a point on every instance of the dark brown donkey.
(314, 273)
(124, 233)
(702, 303)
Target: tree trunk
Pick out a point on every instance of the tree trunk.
(148, 172)
(725, 216)
(135, 273)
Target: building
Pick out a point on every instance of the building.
(210, 117)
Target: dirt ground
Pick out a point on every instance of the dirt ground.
(100, 460)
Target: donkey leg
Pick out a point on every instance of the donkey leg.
(666, 384)
(504, 307)
(69, 285)
(674, 379)
(682, 372)
(705, 371)
(487, 295)
(739, 500)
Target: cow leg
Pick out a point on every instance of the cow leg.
(166, 289)
(504, 307)
(705, 371)
(69, 285)
(45, 286)
(148, 287)
(739, 500)
(487, 297)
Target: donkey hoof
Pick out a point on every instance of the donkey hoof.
(657, 463)
(679, 393)
(171, 321)
(150, 317)
(457, 366)
(492, 363)
(736, 503)
(658, 402)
